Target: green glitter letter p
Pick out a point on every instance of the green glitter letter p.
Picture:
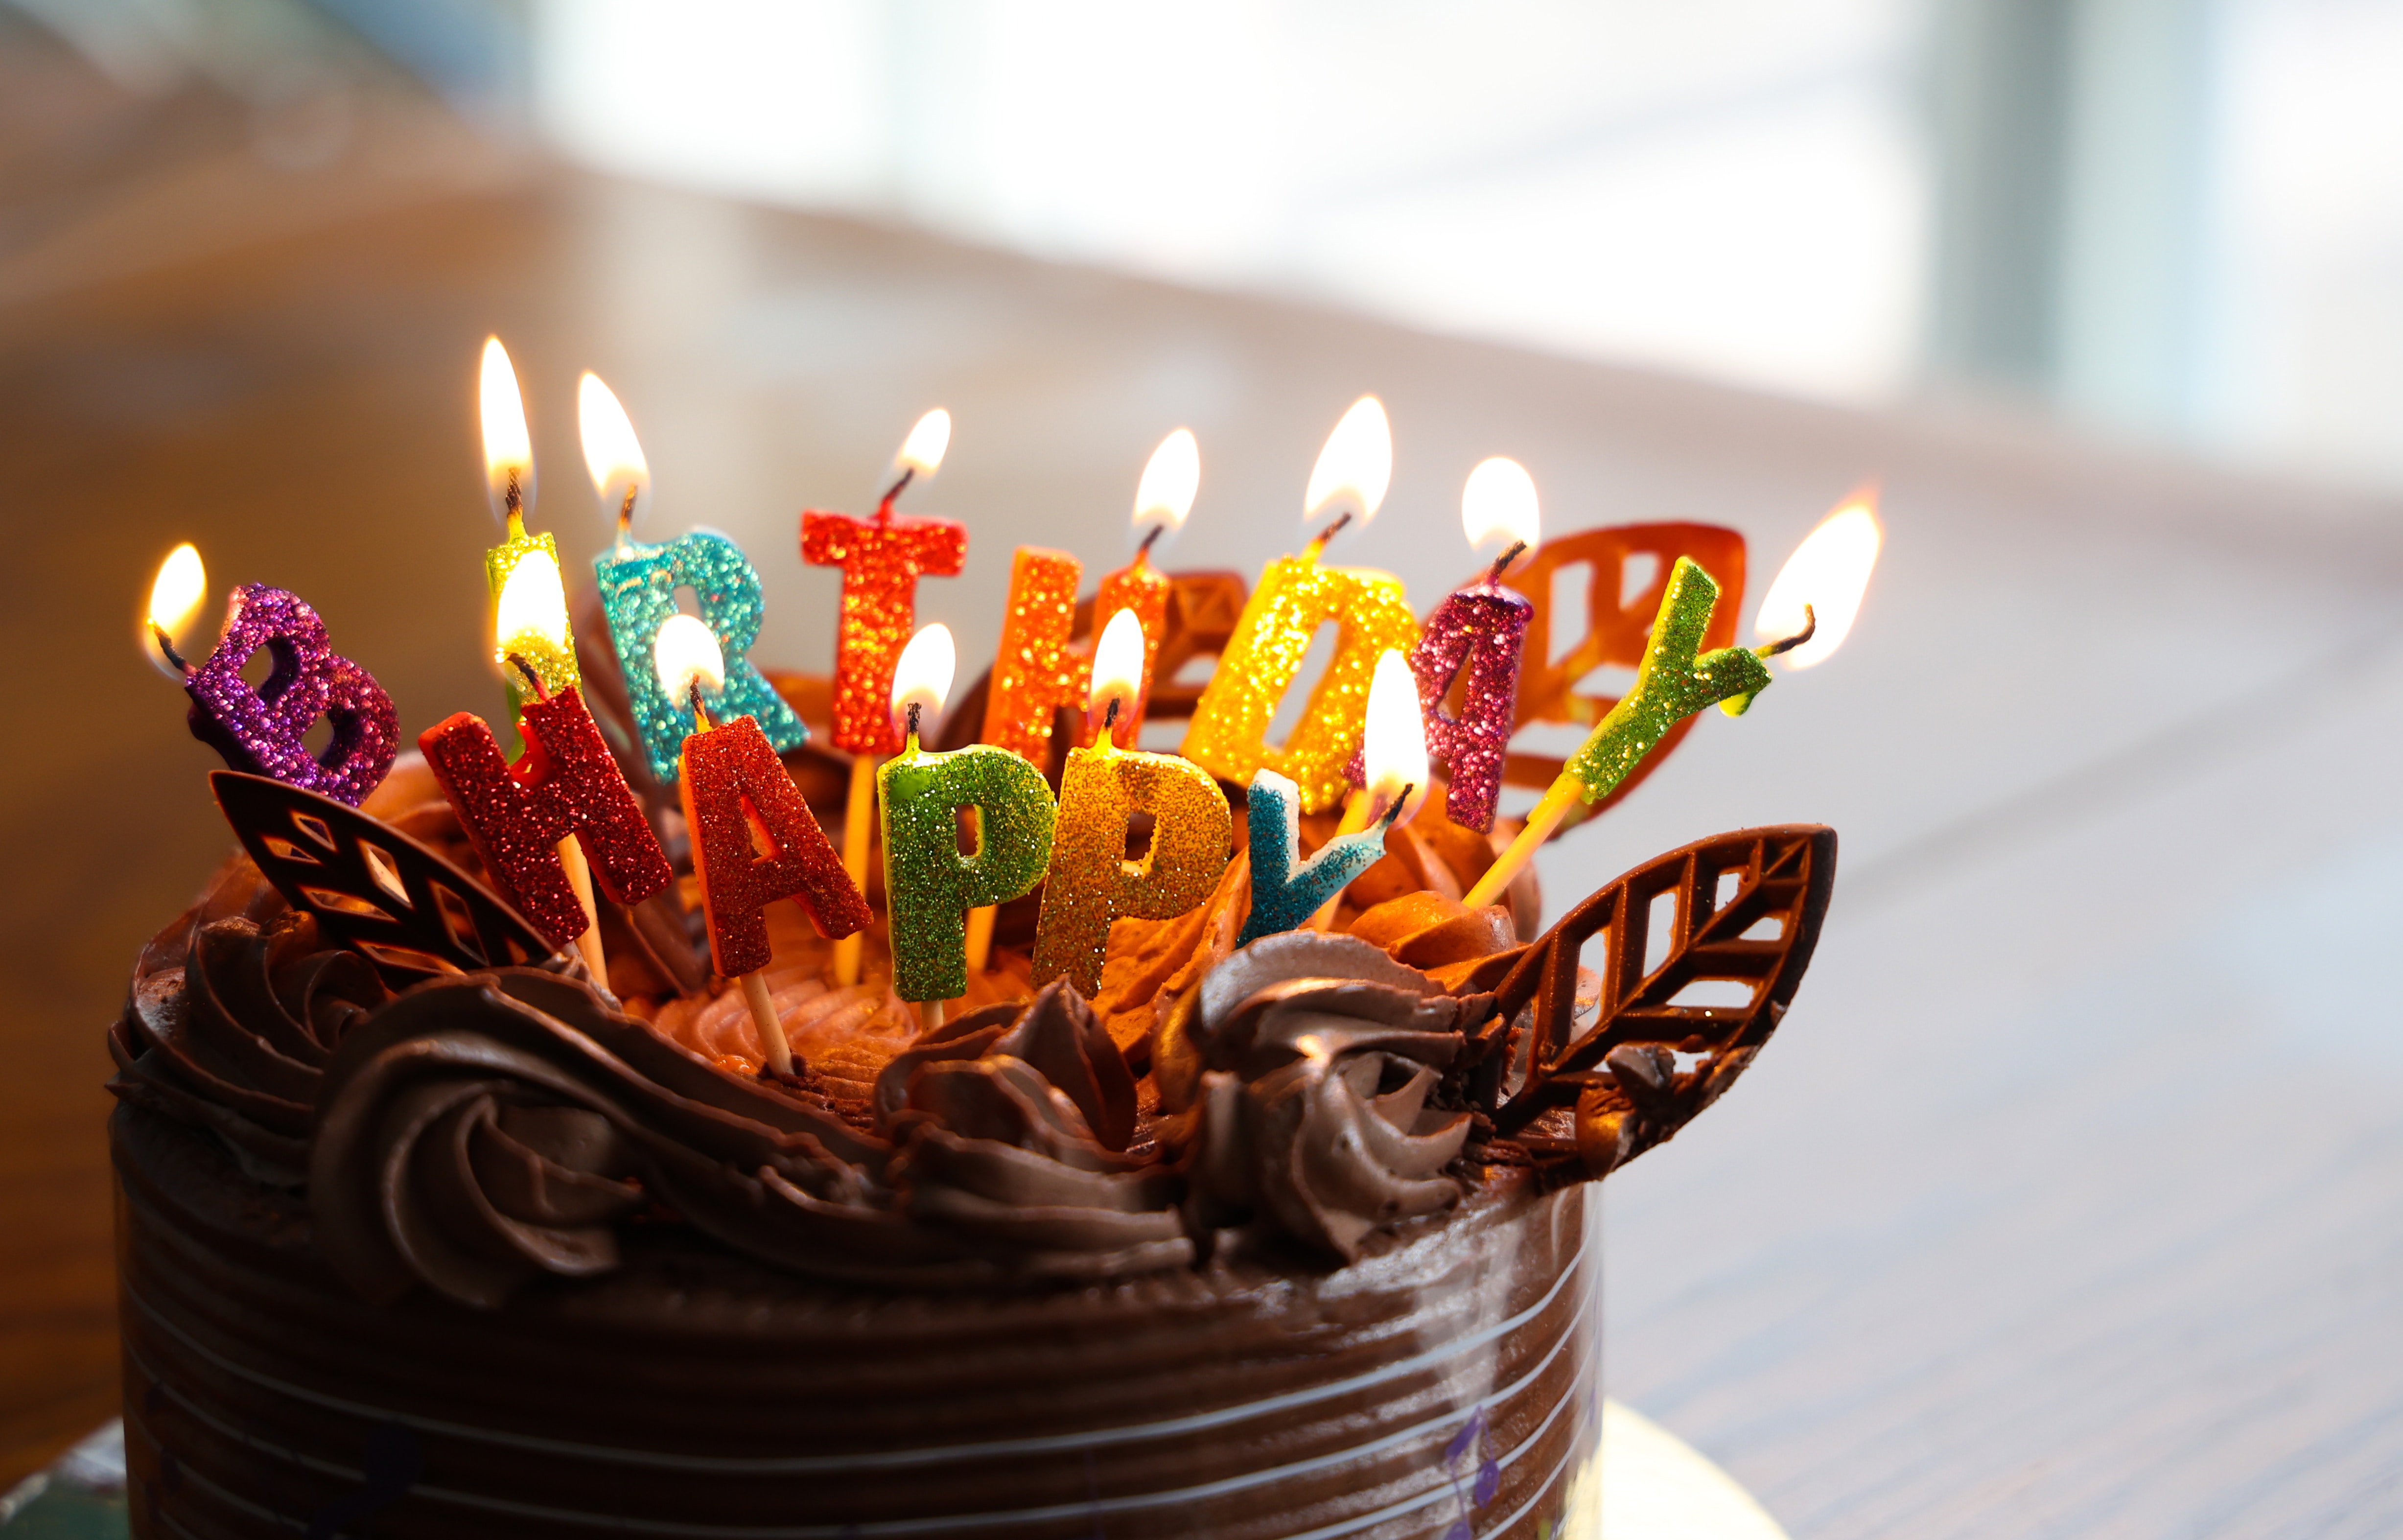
(930, 886)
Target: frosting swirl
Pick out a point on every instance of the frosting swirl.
(1014, 1126)
(1303, 1067)
(236, 1036)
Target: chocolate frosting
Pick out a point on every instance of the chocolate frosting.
(478, 1131)
(1303, 1067)
(236, 1035)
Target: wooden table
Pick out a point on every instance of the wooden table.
(2066, 1202)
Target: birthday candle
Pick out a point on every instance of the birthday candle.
(1286, 891)
(638, 586)
(1162, 499)
(882, 560)
(1296, 594)
(565, 788)
(1090, 882)
(754, 839)
(263, 730)
(509, 475)
(930, 886)
(1478, 631)
(1671, 684)
(1035, 670)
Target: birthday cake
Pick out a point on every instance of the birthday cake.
(1263, 1217)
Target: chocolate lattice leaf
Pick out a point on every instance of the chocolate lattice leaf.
(373, 888)
(1748, 908)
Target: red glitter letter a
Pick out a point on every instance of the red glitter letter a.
(732, 779)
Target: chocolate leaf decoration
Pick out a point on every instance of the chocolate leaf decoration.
(1748, 905)
(373, 888)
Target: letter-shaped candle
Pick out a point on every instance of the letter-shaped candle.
(882, 560)
(1091, 883)
(263, 730)
(1478, 631)
(516, 816)
(508, 477)
(930, 886)
(1671, 684)
(754, 839)
(1286, 889)
(1162, 499)
(638, 586)
(1036, 670)
(1296, 595)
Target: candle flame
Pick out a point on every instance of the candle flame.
(508, 452)
(1165, 494)
(611, 452)
(923, 450)
(1354, 468)
(1118, 667)
(1829, 571)
(177, 591)
(531, 616)
(175, 594)
(1498, 506)
(1393, 742)
(923, 675)
(686, 652)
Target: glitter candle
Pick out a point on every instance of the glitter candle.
(754, 839)
(1476, 637)
(929, 886)
(1674, 680)
(263, 730)
(1090, 882)
(566, 784)
(1036, 670)
(1285, 891)
(1162, 499)
(882, 560)
(1296, 594)
(508, 477)
(638, 585)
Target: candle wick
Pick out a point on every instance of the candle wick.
(513, 504)
(167, 648)
(1394, 809)
(1810, 627)
(1150, 539)
(700, 712)
(1334, 529)
(884, 507)
(1110, 717)
(1493, 578)
(626, 512)
(915, 706)
(541, 690)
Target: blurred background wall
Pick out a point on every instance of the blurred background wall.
(2178, 219)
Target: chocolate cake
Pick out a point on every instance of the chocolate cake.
(1286, 1240)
